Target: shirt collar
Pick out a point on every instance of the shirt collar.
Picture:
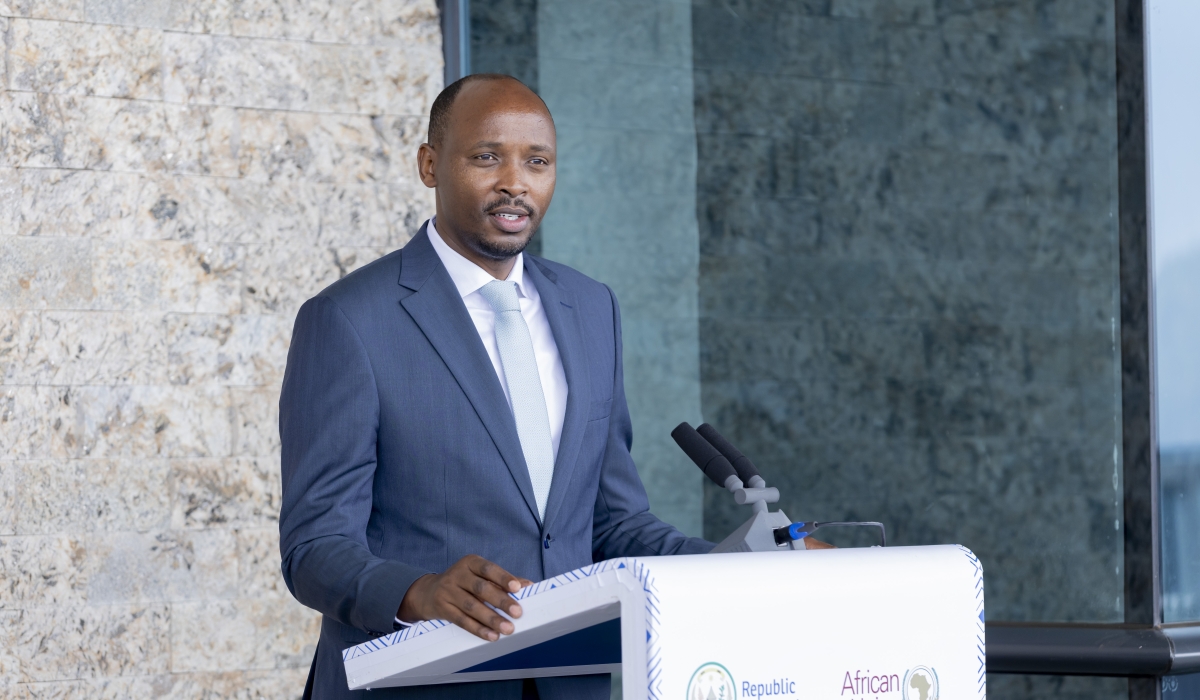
(466, 275)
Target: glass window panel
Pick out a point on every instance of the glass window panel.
(909, 278)
(874, 243)
(617, 75)
(1175, 170)
(1181, 687)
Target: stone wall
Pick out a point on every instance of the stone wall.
(177, 177)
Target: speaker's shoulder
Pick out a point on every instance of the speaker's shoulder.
(366, 285)
(579, 284)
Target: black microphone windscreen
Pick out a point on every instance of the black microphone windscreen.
(741, 463)
(708, 458)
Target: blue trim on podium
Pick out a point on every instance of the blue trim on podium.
(590, 646)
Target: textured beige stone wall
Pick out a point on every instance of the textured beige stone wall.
(175, 179)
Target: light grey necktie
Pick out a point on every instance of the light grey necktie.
(524, 386)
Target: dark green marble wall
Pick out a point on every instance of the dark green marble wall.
(504, 39)
(908, 277)
(617, 75)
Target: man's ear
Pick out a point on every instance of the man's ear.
(426, 165)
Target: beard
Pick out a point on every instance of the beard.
(503, 249)
(510, 245)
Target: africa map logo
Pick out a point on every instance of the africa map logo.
(920, 683)
(712, 681)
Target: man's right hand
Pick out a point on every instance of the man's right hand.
(458, 595)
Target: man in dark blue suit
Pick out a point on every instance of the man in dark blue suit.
(453, 415)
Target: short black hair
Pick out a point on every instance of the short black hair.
(439, 114)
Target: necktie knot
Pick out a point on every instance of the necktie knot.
(502, 295)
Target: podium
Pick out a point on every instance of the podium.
(896, 622)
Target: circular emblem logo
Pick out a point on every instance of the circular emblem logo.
(920, 683)
(712, 681)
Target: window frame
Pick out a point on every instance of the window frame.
(455, 16)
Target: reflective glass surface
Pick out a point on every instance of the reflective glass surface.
(874, 243)
(908, 279)
(1174, 108)
(1181, 687)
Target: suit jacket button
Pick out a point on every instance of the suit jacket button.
(546, 542)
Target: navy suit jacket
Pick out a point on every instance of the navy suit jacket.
(401, 455)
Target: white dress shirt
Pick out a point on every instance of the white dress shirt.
(468, 278)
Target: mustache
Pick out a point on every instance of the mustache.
(510, 202)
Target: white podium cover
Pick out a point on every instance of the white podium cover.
(896, 622)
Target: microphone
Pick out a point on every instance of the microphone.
(754, 490)
(714, 465)
(745, 469)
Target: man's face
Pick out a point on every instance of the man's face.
(494, 170)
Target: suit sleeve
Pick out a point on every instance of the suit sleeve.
(328, 427)
(623, 525)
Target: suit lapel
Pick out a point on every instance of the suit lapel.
(436, 307)
(559, 305)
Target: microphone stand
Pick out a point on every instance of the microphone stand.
(725, 465)
(734, 472)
